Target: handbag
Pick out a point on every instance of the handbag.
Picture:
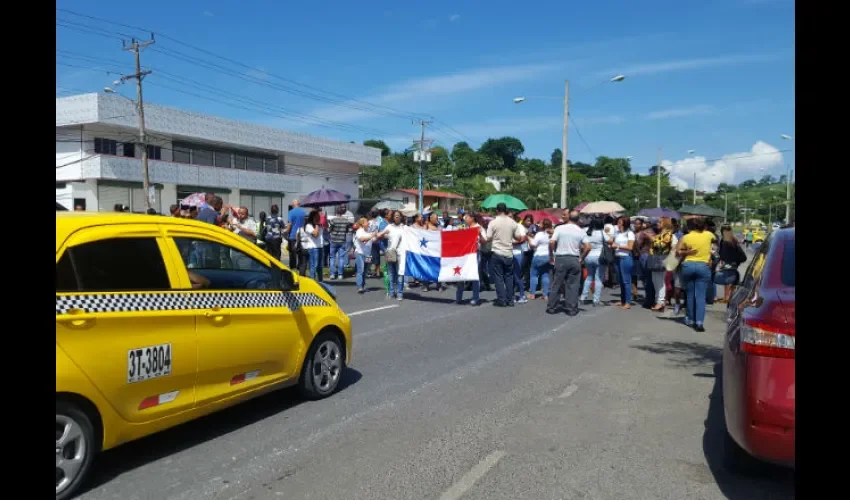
(606, 256)
(391, 254)
(655, 263)
(671, 262)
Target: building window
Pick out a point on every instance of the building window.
(222, 159)
(129, 150)
(202, 157)
(405, 200)
(271, 165)
(154, 152)
(182, 154)
(239, 161)
(105, 146)
(255, 164)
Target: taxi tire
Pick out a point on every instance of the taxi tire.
(73, 412)
(305, 384)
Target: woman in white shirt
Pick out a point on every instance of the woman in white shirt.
(593, 243)
(623, 243)
(312, 241)
(541, 263)
(362, 251)
(392, 234)
(469, 221)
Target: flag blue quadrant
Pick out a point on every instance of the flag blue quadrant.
(421, 267)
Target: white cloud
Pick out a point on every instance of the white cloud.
(422, 89)
(690, 64)
(698, 110)
(733, 168)
(208, 13)
(454, 17)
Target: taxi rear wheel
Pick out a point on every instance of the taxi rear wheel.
(74, 448)
(323, 367)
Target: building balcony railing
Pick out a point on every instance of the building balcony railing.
(122, 168)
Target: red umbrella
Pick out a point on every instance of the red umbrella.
(540, 215)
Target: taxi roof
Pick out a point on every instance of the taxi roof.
(69, 222)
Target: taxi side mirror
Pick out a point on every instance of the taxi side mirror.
(288, 281)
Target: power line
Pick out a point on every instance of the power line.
(376, 108)
(300, 117)
(349, 102)
(589, 149)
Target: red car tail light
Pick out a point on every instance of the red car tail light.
(767, 338)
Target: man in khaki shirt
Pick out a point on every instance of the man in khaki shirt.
(501, 233)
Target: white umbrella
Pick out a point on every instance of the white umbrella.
(602, 207)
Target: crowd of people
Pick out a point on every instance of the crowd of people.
(565, 264)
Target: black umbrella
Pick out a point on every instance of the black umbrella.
(700, 210)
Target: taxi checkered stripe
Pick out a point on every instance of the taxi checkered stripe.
(161, 301)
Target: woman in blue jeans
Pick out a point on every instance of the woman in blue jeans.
(695, 247)
(363, 240)
(314, 242)
(592, 251)
(624, 242)
(540, 261)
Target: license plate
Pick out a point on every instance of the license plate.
(145, 363)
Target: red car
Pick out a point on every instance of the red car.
(758, 358)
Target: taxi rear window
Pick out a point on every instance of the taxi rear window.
(113, 265)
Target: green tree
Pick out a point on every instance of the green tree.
(509, 149)
(375, 143)
(556, 157)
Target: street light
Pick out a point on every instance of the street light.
(564, 179)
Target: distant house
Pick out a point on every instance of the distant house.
(496, 181)
(446, 202)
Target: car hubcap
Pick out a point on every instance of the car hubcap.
(327, 365)
(71, 451)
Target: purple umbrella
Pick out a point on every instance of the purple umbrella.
(324, 198)
(659, 212)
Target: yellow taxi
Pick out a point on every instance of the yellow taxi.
(759, 233)
(161, 320)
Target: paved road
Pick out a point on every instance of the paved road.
(444, 402)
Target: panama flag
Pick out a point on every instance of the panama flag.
(443, 256)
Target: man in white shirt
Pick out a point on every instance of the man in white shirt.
(245, 227)
(565, 249)
(501, 232)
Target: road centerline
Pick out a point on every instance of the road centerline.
(376, 309)
(474, 474)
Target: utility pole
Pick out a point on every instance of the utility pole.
(136, 48)
(788, 197)
(695, 188)
(422, 158)
(726, 208)
(658, 180)
(564, 180)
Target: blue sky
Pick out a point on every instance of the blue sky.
(714, 77)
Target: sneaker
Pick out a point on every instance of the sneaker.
(474, 303)
(398, 297)
(361, 290)
(699, 328)
(522, 300)
(676, 309)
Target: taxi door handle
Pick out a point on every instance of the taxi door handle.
(217, 316)
(76, 318)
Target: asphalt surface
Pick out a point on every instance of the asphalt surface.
(445, 401)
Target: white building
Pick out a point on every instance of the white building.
(98, 164)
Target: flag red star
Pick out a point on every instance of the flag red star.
(457, 271)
